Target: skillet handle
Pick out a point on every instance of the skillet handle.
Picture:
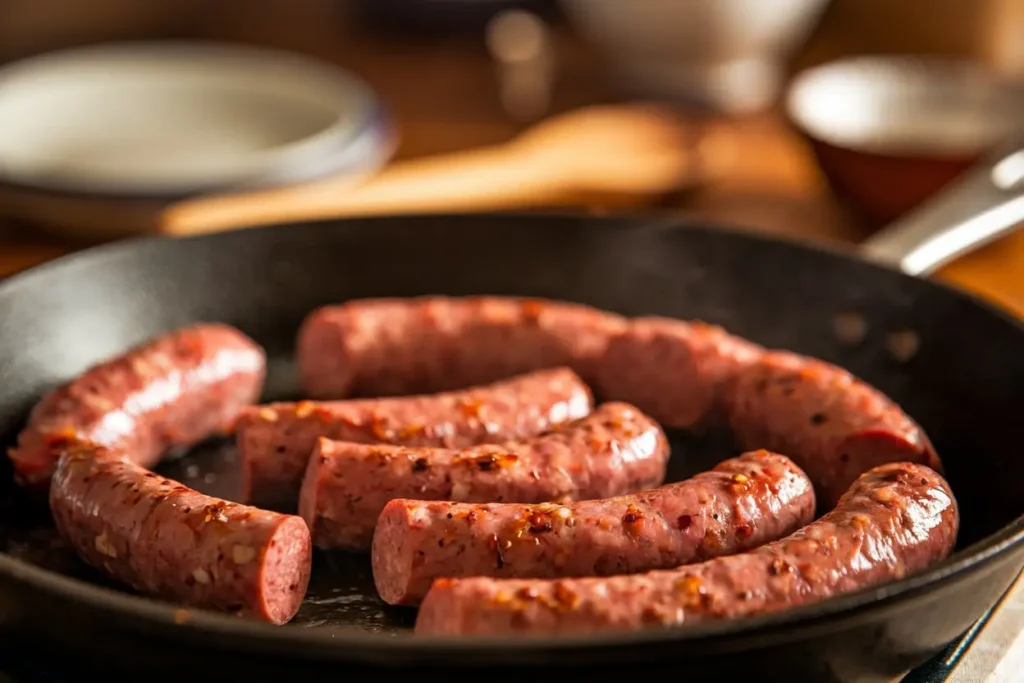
(987, 203)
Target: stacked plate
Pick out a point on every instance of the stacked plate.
(170, 119)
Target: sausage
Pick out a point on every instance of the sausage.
(675, 371)
(380, 347)
(92, 440)
(166, 540)
(742, 503)
(895, 520)
(275, 441)
(614, 450)
(172, 391)
(684, 375)
(832, 424)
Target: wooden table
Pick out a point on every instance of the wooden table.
(452, 104)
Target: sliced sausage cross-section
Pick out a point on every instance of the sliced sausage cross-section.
(164, 539)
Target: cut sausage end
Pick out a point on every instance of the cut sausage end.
(392, 557)
(286, 569)
(434, 618)
(325, 370)
(271, 472)
(311, 488)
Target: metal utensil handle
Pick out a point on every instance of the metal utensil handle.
(985, 204)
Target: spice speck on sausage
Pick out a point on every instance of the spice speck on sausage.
(554, 466)
(833, 555)
(540, 523)
(275, 455)
(242, 554)
(105, 546)
(619, 535)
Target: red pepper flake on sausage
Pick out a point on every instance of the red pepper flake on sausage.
(237, 559)
(174, 390)
(875, 542)
(275, 453)
(831, 423)
(342, 498)
(625, 534)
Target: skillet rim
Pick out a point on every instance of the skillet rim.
(359, 645)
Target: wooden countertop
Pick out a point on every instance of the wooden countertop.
(452, 104)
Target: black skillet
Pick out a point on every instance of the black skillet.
(954, 363)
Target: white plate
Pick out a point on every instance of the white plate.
(175, 118)
(918, 106)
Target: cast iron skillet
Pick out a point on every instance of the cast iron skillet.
(954, 363)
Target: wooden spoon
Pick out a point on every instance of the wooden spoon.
(633, 150)
(625, 155)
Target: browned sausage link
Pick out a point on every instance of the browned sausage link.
(167, 540)
(896, 519)
(614, 450)
(685, 375)
(275, 441)
(379, 347)
(742, 503)
(829, 422)
(172, 391)
(675, 371)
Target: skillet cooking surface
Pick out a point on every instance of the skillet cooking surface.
(341, 590)
(964, 382)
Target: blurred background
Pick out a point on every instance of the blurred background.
(774, 124)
